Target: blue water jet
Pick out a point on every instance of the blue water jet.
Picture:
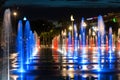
(27, 41)
(75, 55)
(32, 46)
(110, 52)
(75, 38)
(83, 36)
(83, 40)
(20, 48)
(99, 50)
(69, 44)
(25, 47)
(101, 29)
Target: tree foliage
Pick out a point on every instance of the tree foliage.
(41, 26)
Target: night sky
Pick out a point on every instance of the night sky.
(62, 9)
(58, 13)
(64, 3)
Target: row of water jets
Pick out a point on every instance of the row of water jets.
(100, 45)
(27, 44)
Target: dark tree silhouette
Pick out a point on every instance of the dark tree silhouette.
(41, 26)
(2, 2)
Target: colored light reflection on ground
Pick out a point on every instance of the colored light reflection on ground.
(74, 58)
(98, 49)
(53, 65)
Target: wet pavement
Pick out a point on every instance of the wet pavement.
(49, 64)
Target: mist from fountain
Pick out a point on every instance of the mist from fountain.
(6, 40)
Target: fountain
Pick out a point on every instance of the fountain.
(37, 43)
(83, 41)
(101, 29)
(96, 48)
(69, 45)
(99, 51)
(6, 40)
(27, 38)
(75, 38)
(20, 49)
(75, 49)
(110, 44)
(27, 47)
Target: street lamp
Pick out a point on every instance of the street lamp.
(84, 24)
(70, 28)
(71, 17)
(15, 13)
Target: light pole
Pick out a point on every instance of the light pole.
(15, 14)
(72, 20)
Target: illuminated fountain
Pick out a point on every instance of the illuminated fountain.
(27, 46)
(101, 46)
(75, 42)
(6, 39)
(101, 30)
(83, 41)
(64, 45)
(20, 47)
(118, 40)
(99, 51)
(97, 47)
(110, 51)
(55, 43)
(26, 43)
(37, 43)
(69, 45)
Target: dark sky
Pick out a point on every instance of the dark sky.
(63, 3)
(62, 9)
(58, 13)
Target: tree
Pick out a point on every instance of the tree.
(46, 37)
(41, 26)
(114, 25)
(2, 2)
